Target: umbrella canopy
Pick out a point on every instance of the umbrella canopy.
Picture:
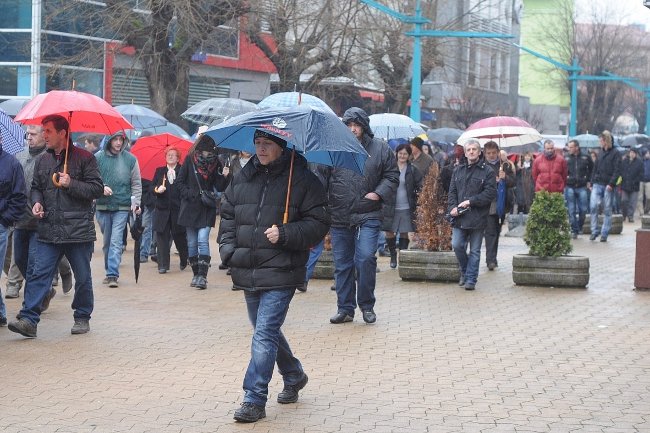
(391, 125)
(635, 140)
(85, 112)
(217, 110)
(319, 135)
(150, 152)
(141, 117)
(444, 135)
(13, 106)
(13, 136)
(293, 99)
(587, 141)
(505, 131)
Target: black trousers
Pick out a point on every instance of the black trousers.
(492, 232)
(164, 241)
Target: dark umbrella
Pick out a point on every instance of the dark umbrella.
(13, 136)
(13, 106)
(141, 117)
(217, 110)
(136, 233)
(634, 140)
(444, 135)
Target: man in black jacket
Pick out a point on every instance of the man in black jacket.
(356, 204)
(65, 227)
(632, 174)
(268, 259)
(603, 186)
(576, 192)
(472, 189)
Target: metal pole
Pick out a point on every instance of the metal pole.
(574, 98)
(417, 67)
(647, 110)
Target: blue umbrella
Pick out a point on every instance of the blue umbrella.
(141, 117)
(293, 99)
(319, 135)
(13, 135)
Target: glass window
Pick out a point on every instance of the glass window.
(81, 18)
(223, 41)
(84, 81)
(15, 47)
(16, 14)
(72, 51)
(9, 80)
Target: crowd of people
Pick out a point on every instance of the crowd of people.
(51, 211)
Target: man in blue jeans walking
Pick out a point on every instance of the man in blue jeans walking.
(471, 191)
(356, 205)
(267, 259)
(603, 186)
(12, 206)
(576, 193)
(65, 226)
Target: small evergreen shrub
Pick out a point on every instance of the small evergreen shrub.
(548, 233)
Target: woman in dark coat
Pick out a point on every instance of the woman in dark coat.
(201, 175)
(165, 215)
(399, 216)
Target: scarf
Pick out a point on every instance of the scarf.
(205, 166)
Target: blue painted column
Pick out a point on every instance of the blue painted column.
(417, 66)
(573, 127)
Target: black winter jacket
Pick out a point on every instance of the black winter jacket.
(12, 189)
(347, 189)
(476, 183)
(255, 201)
(607, 168)
(580, 168)
(68, 211)
(166, 204)
(413, 182)
(192, 212)
(632, 172)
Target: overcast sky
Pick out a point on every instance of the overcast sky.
(620, 11)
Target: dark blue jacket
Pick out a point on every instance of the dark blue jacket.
(12, 189)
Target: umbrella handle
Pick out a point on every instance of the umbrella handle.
(285, 218)
(55, 176)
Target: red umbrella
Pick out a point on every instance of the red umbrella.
(150, 151)
(85, 113)
(505, 131)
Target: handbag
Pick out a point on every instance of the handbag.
(208, 198)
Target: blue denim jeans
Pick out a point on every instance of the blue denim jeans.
(355, 265)
(145, 242)
(24, 248)
(577, 203)
(112, 224)
(4, 234)
(198, 241)
(314, 255)
(45, 266)
(468, 263)
(599, 194)
(267, 310)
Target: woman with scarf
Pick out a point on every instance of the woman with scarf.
(199, 179)
(166, 208)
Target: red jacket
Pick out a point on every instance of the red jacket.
(550, 174)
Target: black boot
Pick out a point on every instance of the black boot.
(202, 277)
(404, 243)
(392, 247)
(194, 264)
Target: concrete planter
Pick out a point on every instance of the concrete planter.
(645, 222)
(563, 271)
(324, 269)
(428, 265)
(617, 224)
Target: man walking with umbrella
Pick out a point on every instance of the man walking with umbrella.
(65, 226)
(267, 259)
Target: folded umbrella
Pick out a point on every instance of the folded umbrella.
(136, 233)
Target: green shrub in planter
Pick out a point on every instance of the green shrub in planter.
(548, 233)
